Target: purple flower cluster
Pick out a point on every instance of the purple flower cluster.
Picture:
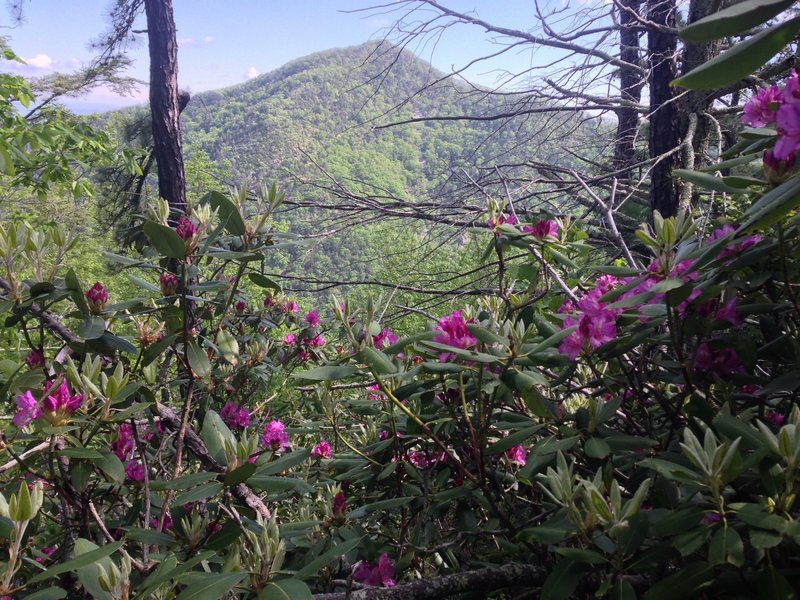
(596, 323)
(169, 283)
(275, 437)
(781, 107)
(56, 408)
(385, 338)
(235, 416)
(517, 455)
(321, 450)
(453, 332)
(542, 229)
(503, 219)
(380, 574)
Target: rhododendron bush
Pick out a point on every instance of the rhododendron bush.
(611, 422)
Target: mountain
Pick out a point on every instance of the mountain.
(312, 124)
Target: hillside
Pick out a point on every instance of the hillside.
(314, 120)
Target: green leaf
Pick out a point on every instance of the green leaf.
(240, 474)
(596, 448)
(772, 206)
(138, 281)
(682, 584)
(401, 344)
(91, 328)
(110, 465)
(726, 546)
(263, 281)
(378, 361)
(740, 60)
(773, 586)
(379, 505)
(82, 560)
(215, 433)
(227, 211)
(164, 239)
(327, 373)
(198, 360)
(562, 581)
(707, 182)
(51, 593)
(155, 350)
(228, 345)
(581, 555)
(328, 557)
(734, 19)
(512, 440)
(184, 482)
(213, 585)
(201, 492)
(285, 462)
(285, 589)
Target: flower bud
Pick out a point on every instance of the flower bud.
(97, 297)
(169, 283)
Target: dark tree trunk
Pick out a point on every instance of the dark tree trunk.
(165, 104)
(662, 48)
(631, 83)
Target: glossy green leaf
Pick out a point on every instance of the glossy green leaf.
(82, 560)
(707, 182)
(378, 361)
(212, 585)
(91, 328)
(198, 360)
(285, 589)
(313, 567)
(227, 211)
(734, 19)
(327, 373)
(741, 60)
(164, 239)
(682, 584)
(263, 281)
(562, 581)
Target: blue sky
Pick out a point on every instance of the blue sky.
(224, 43)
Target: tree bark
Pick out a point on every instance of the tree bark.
(631, 82)
(663, 139)
(165, 104)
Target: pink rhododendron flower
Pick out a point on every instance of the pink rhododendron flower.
(27, 410)
(240, 306)
(34, 359)
(788, 130)
(134, 471)
(275, 437)
(61, 401)
(321, 450)
(289, 307)
(374, 392)
(385, 338)
(517, 455)
(289, 339)
(234, 415)
(97, 297)
(155, 523)
(185, 229)
(762, 109)
(720, 362)
(269, 301)
(312, 318)
(542, 229)
(775, 418)
(380, 574)
(317, 341)
(123, 446)
(453, 332)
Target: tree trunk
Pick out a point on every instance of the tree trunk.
(165, 105)
(631, 83)
(663, 139)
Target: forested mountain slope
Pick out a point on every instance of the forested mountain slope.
(314, 120)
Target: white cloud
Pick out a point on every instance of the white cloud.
(252, 72)
(40, 61)
(185, 42)
(208, 40)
